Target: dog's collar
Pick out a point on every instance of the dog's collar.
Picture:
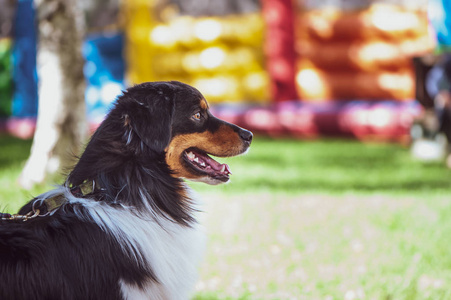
(79, 191)
(86, 188)
(53, 203)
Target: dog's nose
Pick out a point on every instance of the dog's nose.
(246, 135)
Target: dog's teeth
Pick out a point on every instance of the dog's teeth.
(222, 169)
(228, 170)
(202, 164)
(196, 159)
(190, 155)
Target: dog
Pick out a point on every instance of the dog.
(123, 225)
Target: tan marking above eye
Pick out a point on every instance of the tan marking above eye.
(203, 104)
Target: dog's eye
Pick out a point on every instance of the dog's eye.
(196, 116)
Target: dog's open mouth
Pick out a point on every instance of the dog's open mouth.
(200, 161)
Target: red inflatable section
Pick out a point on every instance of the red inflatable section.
(279, 48)
(359, 54)
(364, 120)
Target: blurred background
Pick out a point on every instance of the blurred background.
(302, 68)
(345, 192)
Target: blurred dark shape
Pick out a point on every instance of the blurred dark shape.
(7, 11)
(422, 67)
(442, 96)
(431, 132)
(198, 8)
(443, 102)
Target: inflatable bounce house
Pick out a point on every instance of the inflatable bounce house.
(278, 67)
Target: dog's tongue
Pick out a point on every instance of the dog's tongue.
(216, 165)
(205, 161)
(221, 168)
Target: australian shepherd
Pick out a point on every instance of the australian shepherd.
(123, 225)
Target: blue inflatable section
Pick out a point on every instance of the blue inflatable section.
(104, 71)
(439, 12)
(104, 68)
(25, 97)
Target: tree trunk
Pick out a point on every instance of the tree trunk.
(61, 124)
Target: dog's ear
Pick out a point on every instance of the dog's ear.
(150, 117)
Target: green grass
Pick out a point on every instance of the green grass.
(327, 247)
(327, 219)
(332, 166)
(13, 154)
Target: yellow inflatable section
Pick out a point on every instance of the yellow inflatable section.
(221, 56)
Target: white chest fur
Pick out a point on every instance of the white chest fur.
(173, 251)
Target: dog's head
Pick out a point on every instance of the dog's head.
(173, 118)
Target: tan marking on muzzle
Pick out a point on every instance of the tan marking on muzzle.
(223, 143)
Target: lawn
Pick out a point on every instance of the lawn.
(326, 219)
